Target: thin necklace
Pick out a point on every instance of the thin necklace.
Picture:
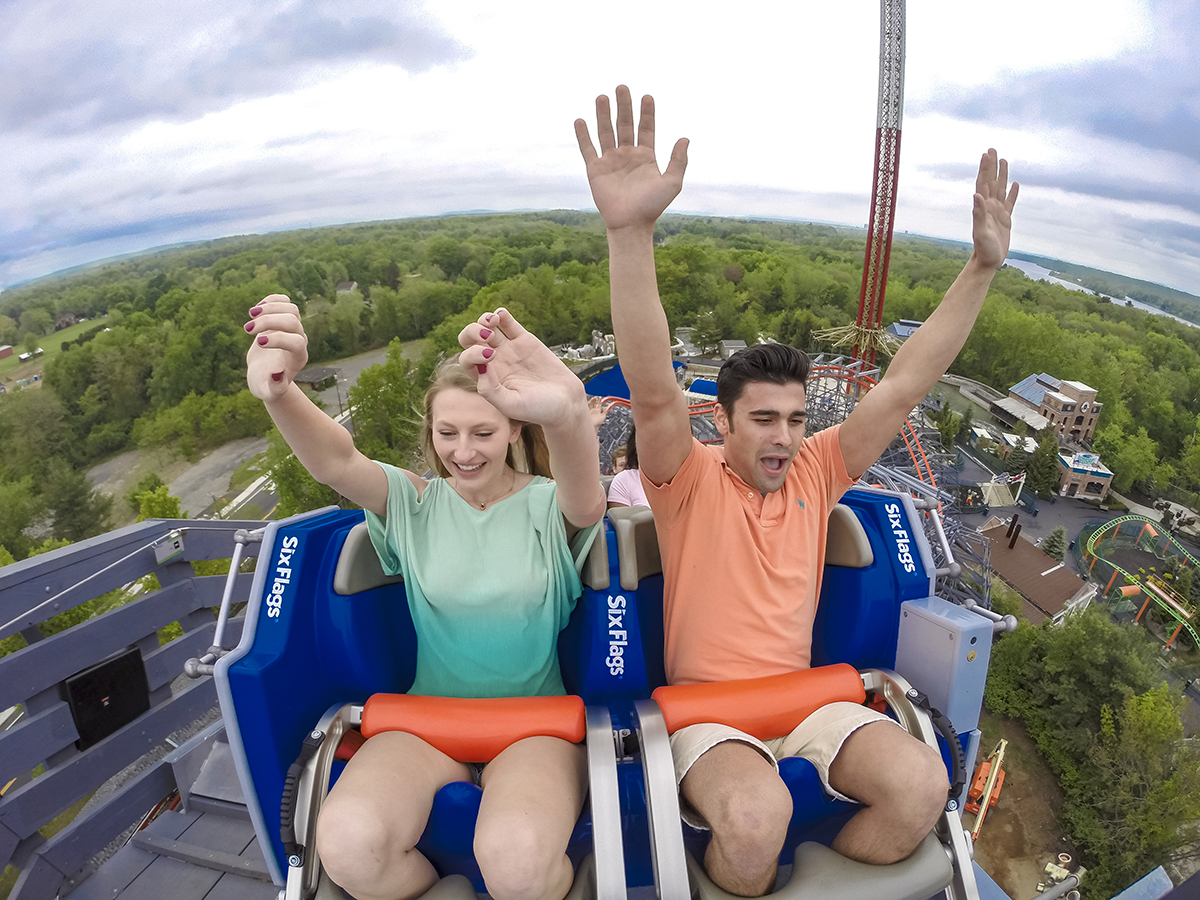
(511, 485)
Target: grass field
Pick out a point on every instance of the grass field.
(12, 369)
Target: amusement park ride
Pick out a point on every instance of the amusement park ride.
(322, 652)
(1099, 540)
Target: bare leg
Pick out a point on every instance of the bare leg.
(532, 795)
(748, 807)
(375, 814)
(902, 785)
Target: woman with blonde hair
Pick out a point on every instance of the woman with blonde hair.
(491, 577)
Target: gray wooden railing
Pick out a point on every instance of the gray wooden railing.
(34, 676)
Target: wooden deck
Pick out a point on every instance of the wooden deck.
(195, 855)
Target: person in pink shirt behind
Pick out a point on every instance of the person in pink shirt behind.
(626, 488)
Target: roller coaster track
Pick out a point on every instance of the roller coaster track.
(1102, 533)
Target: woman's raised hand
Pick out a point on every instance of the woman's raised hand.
(279, 349)
(518, 374)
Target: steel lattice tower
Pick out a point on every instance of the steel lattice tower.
(887, 170)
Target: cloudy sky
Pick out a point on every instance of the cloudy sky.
(127, 124)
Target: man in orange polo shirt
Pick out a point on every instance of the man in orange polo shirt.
(743, 526)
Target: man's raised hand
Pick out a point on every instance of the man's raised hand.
(992, 213)
(279, 349)
(626, 184)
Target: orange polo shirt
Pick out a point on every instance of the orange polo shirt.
(743, 571)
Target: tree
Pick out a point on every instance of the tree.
(22, 506)
(38, 321)
(298, 491)
(158, 504)
(1055, 543)
(386, 403)
(1018, 459)
(1145, 783)
(8, 330)
(1135, 461)
(1086, 692)
(706, 332)
(968, 421)
(79, 510)
(502, 266)
(1042, 469)
(749, 327)
(148, 482)
(949, 425)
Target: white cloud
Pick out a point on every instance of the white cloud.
(469, 105)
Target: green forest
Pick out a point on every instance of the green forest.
(161, 359)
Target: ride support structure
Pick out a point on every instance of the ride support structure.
(886, 177)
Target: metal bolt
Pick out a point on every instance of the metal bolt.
(294, 861)
(951, 805)
(317, 735)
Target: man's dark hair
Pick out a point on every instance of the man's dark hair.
(774, 363)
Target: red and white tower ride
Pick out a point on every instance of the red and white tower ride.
(887, 172)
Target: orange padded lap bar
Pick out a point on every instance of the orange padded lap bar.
(475, 730)
(763, 707)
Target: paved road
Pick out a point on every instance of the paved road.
(208, 480)
(336, 399)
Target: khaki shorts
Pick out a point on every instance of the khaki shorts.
(817, 739)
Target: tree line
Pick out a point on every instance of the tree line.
(167, 365)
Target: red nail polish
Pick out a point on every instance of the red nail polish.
(490, 316)
(485, 333)
(249, 327)
(482, 370)
(487, 352)
(256, 311)
(277, 376)
(262, 340)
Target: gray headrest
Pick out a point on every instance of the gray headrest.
(595, 566)
(847, 544)
(637, 544)
(358, 566)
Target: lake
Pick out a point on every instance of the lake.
(1041, 273)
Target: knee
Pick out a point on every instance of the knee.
(354, 848)
(516, 861)
(751, 824)
(920, 795)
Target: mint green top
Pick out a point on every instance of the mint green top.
(489, 590)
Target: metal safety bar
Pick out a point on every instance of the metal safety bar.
(895, 690)
(607, 843)
(304, 867)
(198, 668)
(662, 803)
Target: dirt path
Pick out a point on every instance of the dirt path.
(1021, 833)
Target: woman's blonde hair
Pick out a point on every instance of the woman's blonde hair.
(529, 454)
